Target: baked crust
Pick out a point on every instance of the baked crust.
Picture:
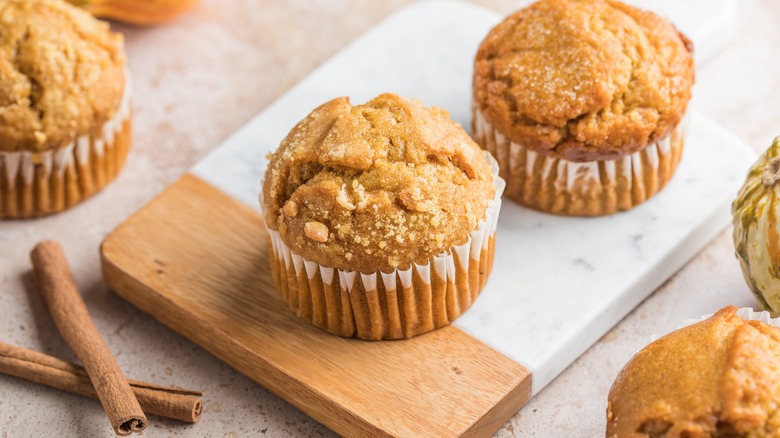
(720, 377)
(62, 74)
(584, 80)
(376, 187)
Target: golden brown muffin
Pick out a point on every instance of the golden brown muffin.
(64, 110)
(377, 188)
(567, 92)
(717, 378)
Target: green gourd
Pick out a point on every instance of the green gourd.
(757, 228)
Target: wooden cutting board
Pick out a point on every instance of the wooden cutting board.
(195, 257)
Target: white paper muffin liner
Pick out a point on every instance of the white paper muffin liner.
(591, 188)
(746, 313)
(38, 183)
(396, 305)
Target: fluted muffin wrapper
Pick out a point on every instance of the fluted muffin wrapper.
(38, 183)
(591, 188)
(746, 313)
(393, 305)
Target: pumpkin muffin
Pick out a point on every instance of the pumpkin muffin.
(381, 218)
(716, 378)
(582, 102)
(64, 106)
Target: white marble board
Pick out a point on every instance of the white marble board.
(558, 283)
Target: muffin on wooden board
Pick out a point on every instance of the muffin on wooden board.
(381, 217)
(719, 377)
(582, 102)
(64, 106)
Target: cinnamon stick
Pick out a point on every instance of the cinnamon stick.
(179, 404)
(70, 315)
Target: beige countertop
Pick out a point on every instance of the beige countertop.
(197, 80)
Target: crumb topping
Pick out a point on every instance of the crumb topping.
(376, 186)
(584, 79)
(61, 74)
(316, 231)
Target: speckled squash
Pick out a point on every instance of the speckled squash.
(140, 12)
(757, 229)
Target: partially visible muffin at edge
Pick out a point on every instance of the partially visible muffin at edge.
(64, 106)
(719, 377)
(582, 101)
(377, 188)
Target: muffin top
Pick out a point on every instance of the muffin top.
(720, 377)
(583, 80)
(376, 186)
(61, 74)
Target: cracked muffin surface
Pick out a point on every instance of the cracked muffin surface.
(376, 187)
(61, 74)
(716, 378)
(583, 80)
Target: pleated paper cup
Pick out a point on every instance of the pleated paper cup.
(592, 188)
(746, 313)
(38, 183)
(393, 305)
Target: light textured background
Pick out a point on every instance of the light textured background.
(199, 79)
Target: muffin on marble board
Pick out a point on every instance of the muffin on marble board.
(719, 377)
(381, 218)
(583, 102)
(64, 106)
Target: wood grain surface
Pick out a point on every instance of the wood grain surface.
(196, 260)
